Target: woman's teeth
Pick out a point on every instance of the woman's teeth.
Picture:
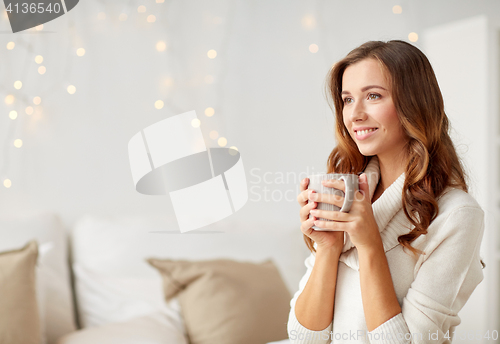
(362, 132)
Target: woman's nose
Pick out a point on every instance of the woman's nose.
(358, 112)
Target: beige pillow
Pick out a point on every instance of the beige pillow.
(226, 302)
(19, 318)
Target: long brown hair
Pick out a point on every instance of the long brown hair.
(432, 163)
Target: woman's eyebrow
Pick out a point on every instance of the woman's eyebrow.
(365, 89)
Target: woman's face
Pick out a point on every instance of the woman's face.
(368, 104)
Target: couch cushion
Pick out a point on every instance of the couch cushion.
(19, 318)
(154, 328)
(55, 296)
(225, 301)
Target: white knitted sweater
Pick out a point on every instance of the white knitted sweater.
(431, 289)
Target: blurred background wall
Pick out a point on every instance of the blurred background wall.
(254, 72)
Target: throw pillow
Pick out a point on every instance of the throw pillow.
(226, 301)
(19, 318)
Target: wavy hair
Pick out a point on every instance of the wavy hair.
(432, 163)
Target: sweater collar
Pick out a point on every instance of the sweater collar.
(388, 213)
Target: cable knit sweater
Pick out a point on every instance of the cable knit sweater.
(430, 289)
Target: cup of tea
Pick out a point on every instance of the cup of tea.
(351, 186)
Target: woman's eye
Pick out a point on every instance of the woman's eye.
(346, 100)
(374, 95)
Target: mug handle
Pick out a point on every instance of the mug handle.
(348, 195)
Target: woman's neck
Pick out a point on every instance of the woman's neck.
(390, 169)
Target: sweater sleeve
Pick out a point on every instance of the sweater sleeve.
(450, 272)
(297, 333)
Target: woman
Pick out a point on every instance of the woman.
(411, 259)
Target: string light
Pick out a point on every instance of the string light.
(42, 70)
(233, 150)
(80, 51)
(141, 9)
(7, 183)
(209, 112)
(413, 37)
(38, 59)
(211, 54)
(222, 141)
(151, 18)
(169, 81)
(159, 104)
(308, 22)
(397, 9)
(9, 99)
(11, 45)
(209, 79)
(313, 48)
(195, 122)
(213, 135)
(18, 84)
(161, 46)
(71, 89)
(18, 143)
(13, 114)
(122, 17)
(29, 110)
(37, 100)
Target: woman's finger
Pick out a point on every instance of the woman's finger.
(327, 198)
(331, 225)
(304, 211)
(331, 215)
(302, 197)
(306, 226)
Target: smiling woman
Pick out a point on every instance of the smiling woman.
(410, 259)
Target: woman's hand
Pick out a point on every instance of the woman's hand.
(323, 239)
(359, 222)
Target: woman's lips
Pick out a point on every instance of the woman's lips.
(365, 134)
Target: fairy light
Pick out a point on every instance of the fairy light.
(18, 84)
(80, 52)
(122, 17)
(313, 48)
(9, 99)
(7, 183)
(209, 79)
(195, 122)
(213, 135)
(159, 104)
(151, 18)
(18, 143)
(397, 9)
(42, 70)
(141, 9)
(29, 110)
(413, 37)
(37, 100)
(13, 114)
(233, 150)
(209, 112)
(211, 54)
(71, 89)
(161, 46)
(11, 45)
(222, 141)
(169, 81)
(308, 22)
(38, 59)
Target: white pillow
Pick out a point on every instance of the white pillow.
(53, 282)
(104, 299)
(154, 328)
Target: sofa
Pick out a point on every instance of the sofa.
(94, 283)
